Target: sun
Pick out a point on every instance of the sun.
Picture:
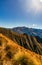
(40, 0)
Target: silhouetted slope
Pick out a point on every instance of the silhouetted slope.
(39, 39)
(28, 42)
(13, 54)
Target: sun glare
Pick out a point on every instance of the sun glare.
(40, 0)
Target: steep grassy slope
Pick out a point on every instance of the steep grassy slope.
(13, 54)
(29, 42)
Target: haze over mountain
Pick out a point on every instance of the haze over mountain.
(33, 43)
(29, 31)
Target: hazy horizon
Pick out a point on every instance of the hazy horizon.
(19, 13)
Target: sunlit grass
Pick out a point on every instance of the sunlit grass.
(13, 54)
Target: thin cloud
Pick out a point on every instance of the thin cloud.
(31, 5)
(34, 25)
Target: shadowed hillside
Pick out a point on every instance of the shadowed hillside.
(13, 54)
(29, 42)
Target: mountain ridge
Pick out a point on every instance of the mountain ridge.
(24, 40)
(29, 31)
(13, 54)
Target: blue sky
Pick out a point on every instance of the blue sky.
(15, 13)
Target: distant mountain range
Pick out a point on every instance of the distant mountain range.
(29, 31)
